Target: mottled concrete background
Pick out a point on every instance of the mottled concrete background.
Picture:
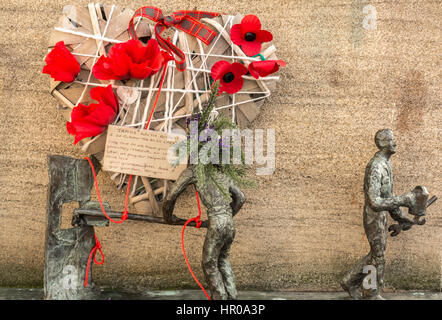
(302, 227)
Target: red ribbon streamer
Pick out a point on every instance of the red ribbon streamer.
(185, 20)
(125, 212)
(198, 222)
(93, 252)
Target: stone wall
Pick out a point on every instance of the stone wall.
(302, 227)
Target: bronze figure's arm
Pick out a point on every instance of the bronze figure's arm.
(238, 199)
(404, 223)
(395, 229)
(399, 216)
(186, 178)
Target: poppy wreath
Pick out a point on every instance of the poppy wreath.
(105, 64)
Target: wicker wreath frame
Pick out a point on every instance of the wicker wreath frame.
(92, 30)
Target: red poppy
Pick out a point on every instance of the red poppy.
(61, 65)
(91, 120)
(249, 36)
(230, 76)
(264, 68)
(131, 59)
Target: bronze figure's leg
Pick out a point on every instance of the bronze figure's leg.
(216, 257)
(378, 247)
(224, 264)
(376, 233)
(211, 251)
(353, 279)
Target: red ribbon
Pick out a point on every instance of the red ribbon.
(93, 253)
(198, 222)
(187, 21)
(125, 212)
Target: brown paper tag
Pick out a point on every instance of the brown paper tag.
(141, 152)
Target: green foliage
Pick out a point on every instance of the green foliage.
(215, 126)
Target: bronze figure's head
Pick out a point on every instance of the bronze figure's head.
(384, 140)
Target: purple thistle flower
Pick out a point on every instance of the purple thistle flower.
(222, 144)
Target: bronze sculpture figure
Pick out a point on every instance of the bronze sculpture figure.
(221, 230)
(379, 200)
(217, 184)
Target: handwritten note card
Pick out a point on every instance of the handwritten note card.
(140, 152)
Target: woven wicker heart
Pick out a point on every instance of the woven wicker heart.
(91, 31)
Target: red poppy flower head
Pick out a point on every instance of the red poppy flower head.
(61, 65)
(131, 59)
(91, 120)
(229, 75)
(249, 36)
(264, 68)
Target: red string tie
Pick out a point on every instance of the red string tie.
(198, 222)
(93, 253)
(184, 20)
(124, 216)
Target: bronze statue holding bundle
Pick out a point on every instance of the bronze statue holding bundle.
(220, 233)
(380, 200)
(217, 184)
